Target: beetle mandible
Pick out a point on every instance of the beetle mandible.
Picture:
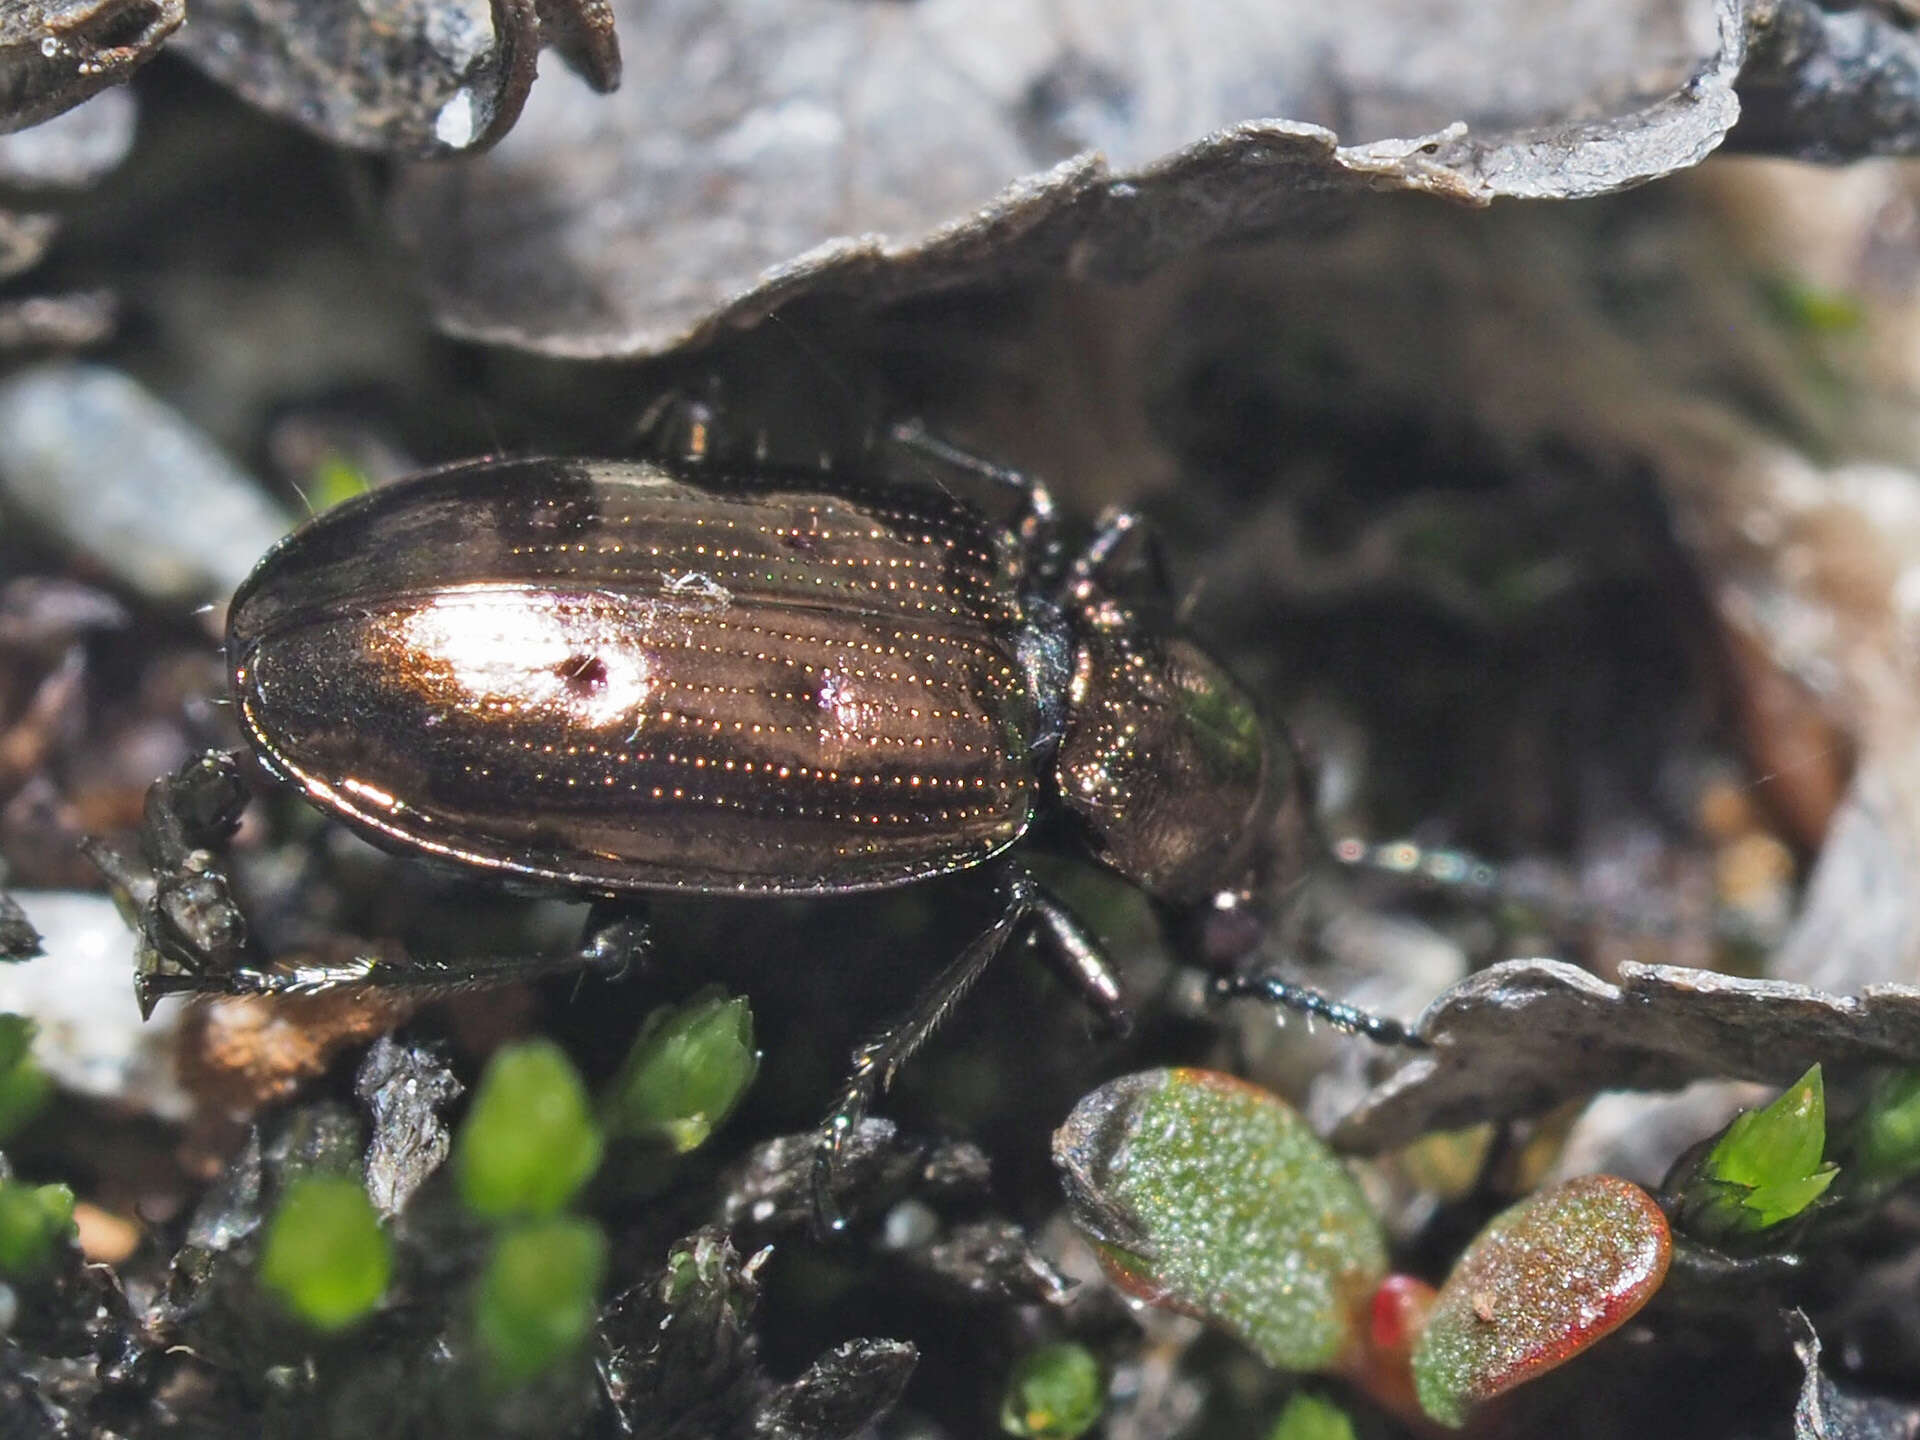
(617, 677)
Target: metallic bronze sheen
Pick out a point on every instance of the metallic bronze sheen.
(1166, 761)
(606, 677)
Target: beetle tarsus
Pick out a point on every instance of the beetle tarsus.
(1305, 1000)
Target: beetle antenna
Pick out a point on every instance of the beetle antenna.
(1305, 1000)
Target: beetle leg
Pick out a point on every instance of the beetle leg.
(878, 1060)
(680, 426)
(175, 892)
(611, 942)
(1077, 959)
(1038, 523)
(193, 937)
(614, 939)
(1091, 572)
(1305, 1000)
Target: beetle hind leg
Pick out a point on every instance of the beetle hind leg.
(612, 943)
(192, 937)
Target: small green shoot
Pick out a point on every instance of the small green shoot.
(1765, 1169)
(325, 1257)
(538, 1295)
(1884, 1145)
(1056, 1392)
(684, 1073)
(1811, 309)
(1308, 1417)
(334, 480)
(24, 1087)
(34, 1220)
(529, 1141)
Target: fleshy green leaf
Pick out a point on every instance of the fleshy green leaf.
(1056, 1392)
(1210, 1195)
(539, 1294)
(325, 1256)
(1308, 1417)
(529, 1142)
(1543, 1281)
(686, 1070)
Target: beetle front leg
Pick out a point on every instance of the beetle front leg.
(1079, 962)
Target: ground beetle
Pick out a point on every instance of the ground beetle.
(610, 677)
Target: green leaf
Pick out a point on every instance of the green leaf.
(529, 1141)
(1308, 1417)
(1056, 1392)
(25, 1088)
(538, 1295)
(1766, 1168)
(1209, 1195)
(1885, 1142)
(1543, 1281)
(1781, 1141)
(16, 1038)
(335, 480)
(34, 1220)
(684, 1073)
(325, 1256)
(24, 1093)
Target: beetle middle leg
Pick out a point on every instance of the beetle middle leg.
(878, 1060)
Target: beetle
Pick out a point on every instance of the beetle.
(615, 677)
